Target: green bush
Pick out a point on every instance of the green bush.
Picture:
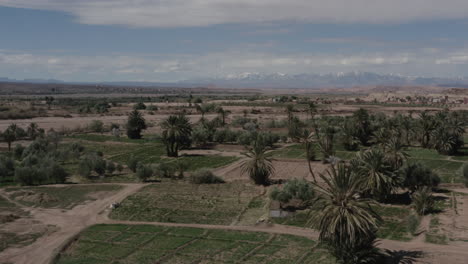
(132, 163)
(423, 202)
(143, 172)
(110, 167)
(18, 151)
(139, 106)
(7, 166)
(96, 126)
(205, 176)
(294, 189)
(165, 170)
(412, 223)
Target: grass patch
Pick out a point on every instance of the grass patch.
(153, 244)
(436, 235)
(181, 202)
(58, 197)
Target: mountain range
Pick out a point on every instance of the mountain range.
(279, 80)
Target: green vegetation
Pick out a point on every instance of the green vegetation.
(180, 202)
(58, 197)
(435, 234)
(153, 244)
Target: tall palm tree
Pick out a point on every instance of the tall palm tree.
(312, 110)
(394, 152)
(426, 125)
(325, 138)
(259, 165)
(346, 221)
(407, 124)
(378, 179)
(176, 134)
(33, 131)
(290, 113)
(223, 114)
(308, 141)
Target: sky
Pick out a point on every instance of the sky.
(173, 40)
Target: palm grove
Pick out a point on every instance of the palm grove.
(342, 199)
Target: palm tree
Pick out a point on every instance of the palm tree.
(33, 131)
(312, 109)
(223, 114)
(308, 141)
(426, 125)
(135, 124)
(423, 201)
(378, 179)
(325, 139)
(176, 134)
(349, 135)
(407, 124)
(394, 152)
(290, 113)
(346, 221)
(259, 165)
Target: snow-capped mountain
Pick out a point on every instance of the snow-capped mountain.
(305, 80)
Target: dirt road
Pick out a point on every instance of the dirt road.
(69, 223)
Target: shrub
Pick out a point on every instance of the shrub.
(96, 126)
(423, 202)
(294, 189)
(139, 106)
(7, 166)
(144, 172)
(119, 167)
(85, 167)
(165, 170)
(412, 223)
(465, 174)
(132, 163)
(418, 175)
(152, 108)
(200, 136)
(100, 166)
(110, 167)
(205, 176)
(18, 151)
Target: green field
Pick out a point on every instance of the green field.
(393, 226)
(58, 197)
(146, 151)
(181, 202)
(297, 151)
(152, 244)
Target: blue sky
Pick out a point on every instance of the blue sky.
(170, 40)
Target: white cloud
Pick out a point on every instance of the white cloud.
(188, 13)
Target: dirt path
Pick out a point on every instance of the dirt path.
(69, 223)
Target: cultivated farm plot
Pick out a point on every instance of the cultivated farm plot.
(149, 152)
(180, 202)
(65, 197)
(394, 225)
(153, 244)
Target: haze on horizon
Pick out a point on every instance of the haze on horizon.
(143, 40)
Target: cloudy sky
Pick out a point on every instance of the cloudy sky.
(170, 40)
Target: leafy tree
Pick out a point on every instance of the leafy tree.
(139, 106)
(135, 124)
(345, 220)
(110, 167)
(417, 176)
(423, 201)
(96, 126)
(205, 176)
(54, 137)
(49, 100)
(18, 151)
(100, 165)
(176, 134)
(144, 172)
(7, 166)
(119, 167)
(200, 136)
(132, 163)
(259, 165)
(294, 189)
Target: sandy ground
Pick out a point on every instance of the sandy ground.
(284, 169)
(70, 222)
